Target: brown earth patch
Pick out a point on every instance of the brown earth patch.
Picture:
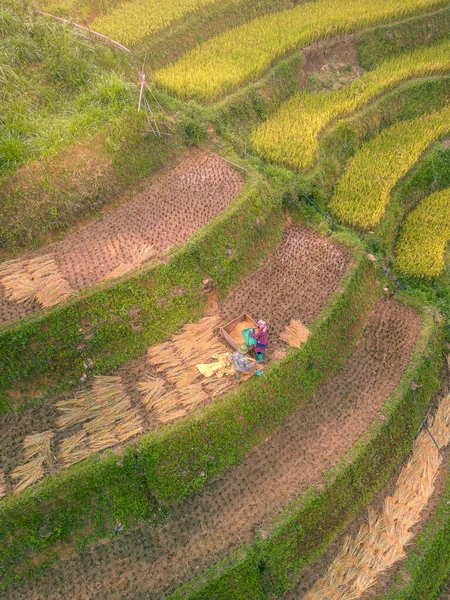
(151, 560)
(165, 214)
(295, 282)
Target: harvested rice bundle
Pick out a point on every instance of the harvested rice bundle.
(34, 279)
(215, 386)
(192, 396)
(28, 473)
(101, 439)
(163, 405)
(181, 378)
(2, 484)
(71, 414)
(152, 388)
(138, 257)
(74, 448)
(38, 444)
(129, 427)
(295, 334)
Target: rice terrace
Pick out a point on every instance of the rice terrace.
(224, 299)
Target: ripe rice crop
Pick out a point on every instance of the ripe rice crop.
(291, 134)
(364, 190)
(424, 236)
(237, 55)
(131, 21)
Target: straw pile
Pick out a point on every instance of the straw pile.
(381, 541)
(138, 257)
(295, 334)
(180, 388)
(2, 484)
(107, 416)
(36, 279)
(37, 453)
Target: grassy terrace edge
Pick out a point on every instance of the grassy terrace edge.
(86, 500)
(271, 566)
(141, 309)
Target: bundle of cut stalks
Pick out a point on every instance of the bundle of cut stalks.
(381, 542)
(28, 473)
(106, 414)
(74, 448)
(151, 388)
(295, 334)
(2, 484)
(38, 444)
(35, 279)
(139, 256)
(215, 386)
(37, 452)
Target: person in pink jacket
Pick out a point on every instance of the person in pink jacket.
(261, 337)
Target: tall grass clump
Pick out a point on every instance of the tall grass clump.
(363, 191)
(54, 87)
(291, 135)
(131, 21)
(424, 236)
(227, 60)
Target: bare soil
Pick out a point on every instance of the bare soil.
(295, 282)
(165, 214)
(152, 560)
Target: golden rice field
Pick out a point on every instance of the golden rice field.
(131, 21)
(363, 191)
(291, 135)
(243, 53)
(424, 236)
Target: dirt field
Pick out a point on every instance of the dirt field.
(150, 561)
(296, 281)
(165, 214)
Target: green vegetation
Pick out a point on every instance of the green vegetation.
(304, 530)
(290, 136)
(364, 190)
(424, 237)
(166, 465)
(55, 88)
(244, 53)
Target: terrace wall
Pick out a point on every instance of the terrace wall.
(86, 500)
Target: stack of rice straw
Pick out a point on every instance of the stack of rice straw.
(37, 452)
(295, 334)
(35, 279)
(107, 416)
(139, 255)
(180, 388)
(381, 542)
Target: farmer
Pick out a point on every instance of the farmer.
(261, 335)
(240, 362)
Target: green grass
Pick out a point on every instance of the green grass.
(56, 88)
(364, 190)
(238, 55)
(291, 135)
